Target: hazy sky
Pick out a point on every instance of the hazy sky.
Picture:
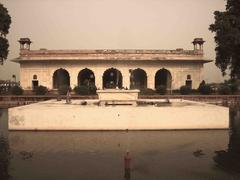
(112, 24)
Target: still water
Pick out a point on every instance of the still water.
(100, 154)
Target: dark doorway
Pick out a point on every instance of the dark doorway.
(86, 78)
(189, 81)
(34, 84)
(112, 78)
(61, 78)
(138, 79)
(163, 78)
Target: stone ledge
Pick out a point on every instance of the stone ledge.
(53, 115)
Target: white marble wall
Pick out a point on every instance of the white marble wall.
(45, 70)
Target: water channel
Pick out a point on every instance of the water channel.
(100, 154)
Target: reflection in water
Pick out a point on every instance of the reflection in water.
(4, 158)
(198, 153)
(127, 166)
(93, 155)
(4, 149)
(26, 155)
(230, 159)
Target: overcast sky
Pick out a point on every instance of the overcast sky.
(112, 24)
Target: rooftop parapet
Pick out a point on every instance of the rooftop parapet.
(110, 51)
(111, 54)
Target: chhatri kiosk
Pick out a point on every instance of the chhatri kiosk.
(129, 69)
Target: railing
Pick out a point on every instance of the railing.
(12, 101)
(226, 100)
(41, 97)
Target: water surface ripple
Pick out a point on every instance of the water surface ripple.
(100, 154)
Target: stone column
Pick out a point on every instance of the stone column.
(126, 79)
(98, 80)
(151, 81)
(172, 84)
(73, 79)
(50, 82)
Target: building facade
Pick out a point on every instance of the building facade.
(129, 69)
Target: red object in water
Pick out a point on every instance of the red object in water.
(127, 161)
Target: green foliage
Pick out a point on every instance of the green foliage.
(194, 91)
(16, 90)
(3, 49)
(224, 89)
(204, 88)
(176, 91)
(92, 89)
(161, 89)
(81, 90)
(201, 84)
(62, 90)
(5, 21)
(85, 90)
(41, 90)
(233, 85)
(147, 91)
(185, 90)
(227, 38)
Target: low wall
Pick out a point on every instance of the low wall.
(53, 115)
(115, 94)
(7, 101)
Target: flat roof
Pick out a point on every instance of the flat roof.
(112, 54)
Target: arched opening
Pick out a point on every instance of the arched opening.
(34, 82)
(86, 78)
(163, 78)
(138, 79)
(61, 78)
(112, 78)
(189, 81)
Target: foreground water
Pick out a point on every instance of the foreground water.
(100, 155)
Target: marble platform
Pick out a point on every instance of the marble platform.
(57, 115)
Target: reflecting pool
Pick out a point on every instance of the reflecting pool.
(100, 154)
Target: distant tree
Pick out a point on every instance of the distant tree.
(202, 84)
(5, 21)
(161, 89)
(41, 90)
(224, 89)
(227, 38)
(184, 90)
(205, 89)
(16, 90)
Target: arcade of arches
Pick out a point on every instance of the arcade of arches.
(113, 78)
(111, 68)
(86, 77)
(163, 78)
(61, 78)
(138, 79)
